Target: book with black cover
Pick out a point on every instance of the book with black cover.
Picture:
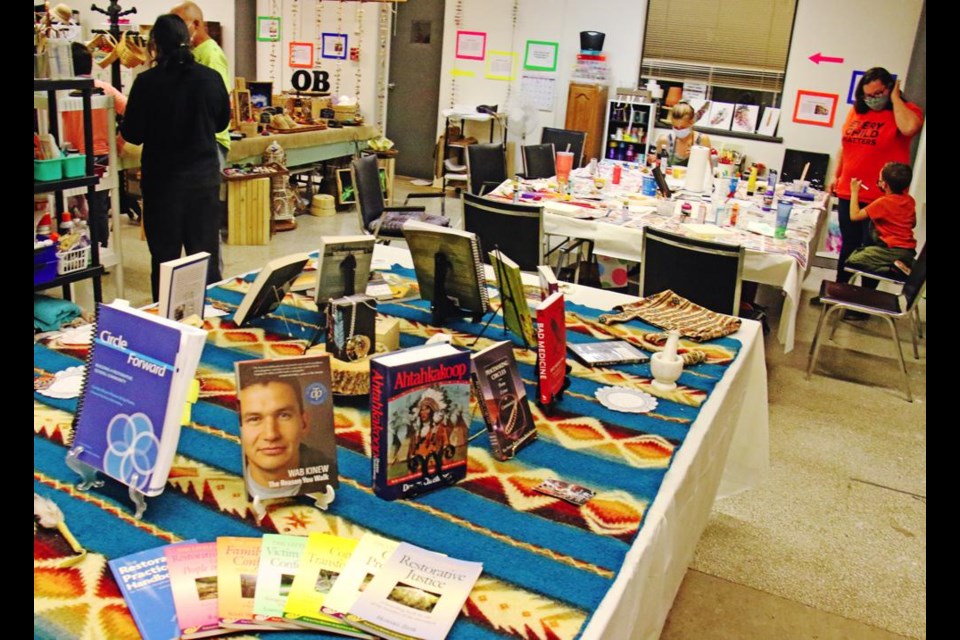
(503, 400)
(465, 281)
(607, 352)
(338, 258)
(270, 286)
(135, 386)
(419, 415)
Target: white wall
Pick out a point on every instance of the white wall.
(306, 30)
(866, 33)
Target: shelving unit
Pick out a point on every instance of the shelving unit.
(89, 180)
(627, 131)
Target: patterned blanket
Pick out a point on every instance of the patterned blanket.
(547, 563)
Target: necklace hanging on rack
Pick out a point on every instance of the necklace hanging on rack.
(383, 32)
(295, 19)
(357, 46)
(274, 11)
(318, 31)
(339, 71)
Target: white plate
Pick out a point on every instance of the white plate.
(625, 399)
(66, 384)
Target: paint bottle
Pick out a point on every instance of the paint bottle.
(617, 172)
(734, 214)
(752, 182)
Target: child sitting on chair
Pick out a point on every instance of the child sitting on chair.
(893, 217)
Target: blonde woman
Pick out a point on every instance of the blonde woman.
(682, 138)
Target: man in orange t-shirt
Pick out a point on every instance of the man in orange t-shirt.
(893, 216)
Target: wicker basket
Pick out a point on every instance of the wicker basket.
(131, 50)
(346, 113)
(103, 49)
(73, 260)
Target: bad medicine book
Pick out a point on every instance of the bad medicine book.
(419, 415)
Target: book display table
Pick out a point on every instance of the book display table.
(607, 569)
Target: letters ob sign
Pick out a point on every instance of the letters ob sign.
(303, 80)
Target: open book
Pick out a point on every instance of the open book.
(135, 388)
(271, 285)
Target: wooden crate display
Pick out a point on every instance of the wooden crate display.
(248, 211)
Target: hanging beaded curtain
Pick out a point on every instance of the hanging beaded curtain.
(274, 11)
(339, 62)
(383, 32)
(358, 68)
(458, 23)
(318, 30)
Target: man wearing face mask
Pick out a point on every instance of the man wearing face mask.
(877, 130)
(679, 141)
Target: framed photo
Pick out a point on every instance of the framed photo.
(816, 108)
(854, 79)
(540, 56)
(333, 46)
(301, 55)
(719, 117)
(768, 125)
(244, 107)
(268, 28)
(745, 117)
(346, 193)
(261, 94)
(471, 45)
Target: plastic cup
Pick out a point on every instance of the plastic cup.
(783, 218)
(564, 163)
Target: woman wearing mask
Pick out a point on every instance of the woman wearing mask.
(175, 110)
(679, 141)
(877, 130)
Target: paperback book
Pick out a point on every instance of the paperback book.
(503, 400)
(286, 426)
(607, 352)
(279, 561)
(321, 563)
(548, 281)
(551, 347)
(343, 266)
(119, 430)
(351, 327)
(183, 286)
(270, 286)
(419, 413)
(144, 581)
(238, 560)
(516, 311)
(193, 582)
(369, 556)
(417, 594)
(464, 281)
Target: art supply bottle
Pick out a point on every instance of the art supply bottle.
(664, 161)
(752, 182)
(66, 223)
(734, 214)
(617, 171)
(516, 188)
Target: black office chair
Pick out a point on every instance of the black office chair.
(561, 138)
(839, 296)
(486, 167)
(539, 161)
(516, 229)
(895, 278)
(376, 218)
(704, 272)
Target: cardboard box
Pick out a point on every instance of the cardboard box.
(388, 334)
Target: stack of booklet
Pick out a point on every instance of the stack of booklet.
(366, 588)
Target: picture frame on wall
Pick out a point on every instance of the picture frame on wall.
(813, 107)
(268, 28)
(333, 46)
(301, 55)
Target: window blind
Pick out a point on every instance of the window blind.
(740, 44)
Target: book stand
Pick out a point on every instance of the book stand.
(89, 480)
(548, 406)
(320, 500)
(504, 296)
(441, 306)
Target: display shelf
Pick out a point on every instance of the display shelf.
(628, 118)
(94, 271)
(49, 186)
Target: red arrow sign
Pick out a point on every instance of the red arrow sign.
(817, 58)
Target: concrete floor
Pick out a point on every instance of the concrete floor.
(833, 543)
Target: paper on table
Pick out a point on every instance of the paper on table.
(761, 228)
(707, 229)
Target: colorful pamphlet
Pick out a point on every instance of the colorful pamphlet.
(369, 556)
(279, 561)
(193, 582)
(238, 560)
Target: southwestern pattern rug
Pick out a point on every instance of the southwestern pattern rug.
(547, 563)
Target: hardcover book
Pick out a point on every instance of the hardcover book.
(548, 281)
(270, 286)
(503, 400)
(516, 311)
(369, 556)
(286, 426)
(193, 582)
(183, 286)
(417, 594)
(465, 281)
(127, 434)
(321, 563)
(342, 260)
(551, 347)
(237, 562)
(607, 352)
(145, 584)
(419, 412)
(279, 561)
(351, 327)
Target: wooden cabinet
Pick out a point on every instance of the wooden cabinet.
(587, 111)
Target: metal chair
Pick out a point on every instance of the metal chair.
(894, 278)
(516, 229)
(562, 138)
(539, 161)
(704, 272)
(376, 218)
(486, 167)
(838, 296)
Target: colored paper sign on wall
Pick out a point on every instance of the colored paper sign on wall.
(540, 56)
(471, 45)
(268, 28)
(500, 65)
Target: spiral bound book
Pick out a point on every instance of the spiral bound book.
(135, 387)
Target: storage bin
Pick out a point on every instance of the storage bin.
(46, 170)
(44, 264)
(74, 166)
(73, 260)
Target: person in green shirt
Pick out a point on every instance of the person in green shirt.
(207, 52)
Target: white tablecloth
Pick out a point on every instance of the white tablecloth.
(726, 451)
